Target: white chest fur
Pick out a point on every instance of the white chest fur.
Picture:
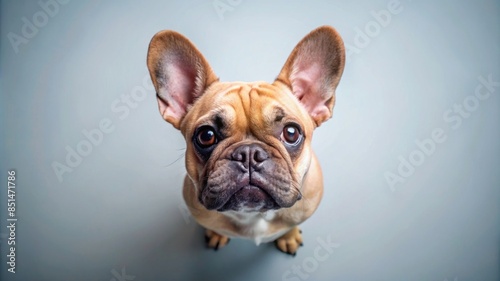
(255, 225)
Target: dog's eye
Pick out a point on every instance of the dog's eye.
(206, 137)
(291, 134)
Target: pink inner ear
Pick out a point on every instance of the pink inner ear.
(307, 78)
(178, 90)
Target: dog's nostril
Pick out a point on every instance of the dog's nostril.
(259, 155)
(240, 157)
(240, 154)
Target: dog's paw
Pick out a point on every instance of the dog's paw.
(290, 242)
(214, 240)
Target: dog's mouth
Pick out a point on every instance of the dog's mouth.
(248, 179)
(249, 199)
(248, 195)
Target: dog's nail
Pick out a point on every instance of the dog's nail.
(301, 244)
(300, 231)
(294, 254)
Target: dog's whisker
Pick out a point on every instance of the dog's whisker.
(175, 161)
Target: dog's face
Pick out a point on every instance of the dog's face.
(248, 144)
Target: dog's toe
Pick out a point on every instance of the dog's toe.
(290, 242)
(214, 240)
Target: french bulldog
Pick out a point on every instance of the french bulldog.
(251, 171)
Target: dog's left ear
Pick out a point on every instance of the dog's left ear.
(313, 71)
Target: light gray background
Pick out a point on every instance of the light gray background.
(121, 208)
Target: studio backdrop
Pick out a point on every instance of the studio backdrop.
(91, 175)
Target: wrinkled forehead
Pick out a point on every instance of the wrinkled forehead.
(246, 105)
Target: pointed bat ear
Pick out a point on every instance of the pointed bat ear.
(313, 71)
(179, 72)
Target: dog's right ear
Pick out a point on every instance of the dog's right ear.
(179, 72)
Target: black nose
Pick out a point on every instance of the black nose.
(250, 155)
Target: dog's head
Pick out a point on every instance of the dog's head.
(248, 144)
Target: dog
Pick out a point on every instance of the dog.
(251, 170)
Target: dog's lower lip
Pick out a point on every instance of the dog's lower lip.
(225, 206)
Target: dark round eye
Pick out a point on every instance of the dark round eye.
(206, 137)
(291, 134)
